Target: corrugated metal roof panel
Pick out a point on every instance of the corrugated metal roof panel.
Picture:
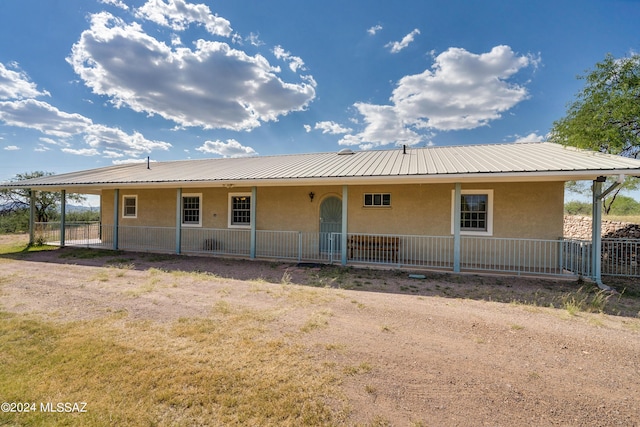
(428, 162)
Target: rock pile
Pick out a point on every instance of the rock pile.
(579, 227)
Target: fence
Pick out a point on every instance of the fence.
(517, 256)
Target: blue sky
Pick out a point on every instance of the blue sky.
(88, 83)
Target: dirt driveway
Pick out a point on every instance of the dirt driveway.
(442, 350)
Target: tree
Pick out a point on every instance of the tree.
(18, 200)
(605, 115)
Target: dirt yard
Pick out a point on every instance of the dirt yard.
(465, 350)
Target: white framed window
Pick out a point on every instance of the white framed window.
(239, 210)
(130, 206)
(192, 209)
(377, 199)
(476, 212)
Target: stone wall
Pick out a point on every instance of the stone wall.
(579, 227)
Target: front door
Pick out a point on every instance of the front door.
(330, 223)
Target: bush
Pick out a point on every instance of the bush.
(577, 208)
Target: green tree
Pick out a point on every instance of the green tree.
(17, 200)
(625, 206)
(605, 116)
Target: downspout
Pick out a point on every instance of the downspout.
(63, 214)
(596, 228)
(457, 207)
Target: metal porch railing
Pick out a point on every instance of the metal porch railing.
(560, 257)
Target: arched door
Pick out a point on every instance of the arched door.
(330, 223)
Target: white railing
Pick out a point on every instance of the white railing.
(523, 256)
(519, 256)
(75, 233)
(401, 250)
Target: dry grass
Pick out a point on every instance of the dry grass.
(223, 370)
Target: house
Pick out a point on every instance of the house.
(495, 207)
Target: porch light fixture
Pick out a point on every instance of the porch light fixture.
(311, 196)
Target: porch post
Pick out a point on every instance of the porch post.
(32, 216)
(457, 206)
(116, 217)
(252, 219)
(179, 220)
(63, 212)
(343, 235)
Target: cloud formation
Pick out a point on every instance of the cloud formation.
(329, 127)
(24, 111)
(373, 30)
(461, 90)
(212, 86)
(231, 148)
(16, 85)
(179, 14)
(396, 47)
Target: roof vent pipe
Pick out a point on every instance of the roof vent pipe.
(404, 149)
(148, 162)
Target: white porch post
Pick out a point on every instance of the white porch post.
(457, 207)
(179, 220)
(116, 217)
(63, 212)
(343, 235)
(32, 216)
(252, 219)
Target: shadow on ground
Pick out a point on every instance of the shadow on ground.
(542, 292)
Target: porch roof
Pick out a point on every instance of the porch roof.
(470, 163)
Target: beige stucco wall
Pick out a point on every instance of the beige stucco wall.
(520, 210)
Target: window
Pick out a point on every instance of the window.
(192, 209)
(377, 199)
(476, 212)
(240, 210)
(129, 206)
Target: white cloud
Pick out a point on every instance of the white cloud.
(532, 137)
(52, 141)
(332, 128)
(44, 117)
(116, 3)
(89, 152)
(396, 47)
(383, 126)
(254, 40)
(373, 30)
(231, 148)
(462, 90)
(11, 148)
(110, 139)
(212, 86)
(179, 14)
(129, 161)
(16, 85)
(295, 62)
(41, 116)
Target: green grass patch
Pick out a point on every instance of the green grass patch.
(209, 371)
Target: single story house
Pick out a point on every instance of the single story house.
(496, 207)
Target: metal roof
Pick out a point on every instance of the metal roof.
(468, 163)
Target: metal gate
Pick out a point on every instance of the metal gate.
(330, 224)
